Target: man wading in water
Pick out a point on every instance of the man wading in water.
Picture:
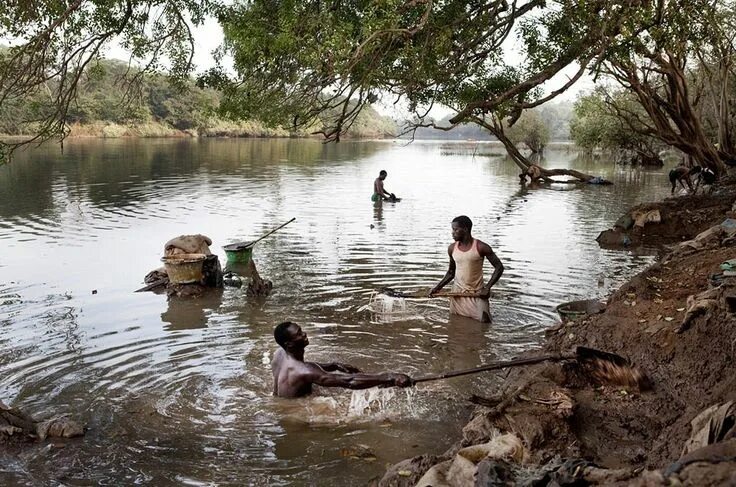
(466, 267)
(293, 377)
(379, 192)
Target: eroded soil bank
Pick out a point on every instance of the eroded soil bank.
(554, 424)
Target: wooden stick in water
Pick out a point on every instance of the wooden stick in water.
(153, 285)
(602, 367)
(424, 294)
(243, 245)
(496, 366)
(272, 231)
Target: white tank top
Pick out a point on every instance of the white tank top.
(468, 268)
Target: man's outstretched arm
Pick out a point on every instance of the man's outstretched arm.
(339, 367)
(316, 375)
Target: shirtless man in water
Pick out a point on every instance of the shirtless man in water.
(379, 192)
(293, 377)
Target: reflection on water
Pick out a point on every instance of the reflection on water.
(178, 391)
(187, 314)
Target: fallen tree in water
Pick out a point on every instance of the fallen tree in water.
(528, 168)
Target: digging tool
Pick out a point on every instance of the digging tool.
(603, 366)
(424, 294)
(252, 243)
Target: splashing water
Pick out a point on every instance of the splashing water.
(383, 403)
(382, 304)
(370, 401)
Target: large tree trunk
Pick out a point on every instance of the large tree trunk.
(725, 142)
(674, 119)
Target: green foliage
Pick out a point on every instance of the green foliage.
(592, 123)
(531, 130)
(311, 65)
(610, 122)
(299, 60)
(296, 61)
(185, 107)
(155, 108)
(56, 47)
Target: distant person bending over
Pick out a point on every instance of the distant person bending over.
(682, 175)
(293, 377)
(466, 268)
(379, 192)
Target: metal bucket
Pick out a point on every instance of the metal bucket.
(575, 309)
(238, 253)
(184, 268)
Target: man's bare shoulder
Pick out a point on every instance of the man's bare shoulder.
(484, 248)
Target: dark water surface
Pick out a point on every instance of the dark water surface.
(178, 392)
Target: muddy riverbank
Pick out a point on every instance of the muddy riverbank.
(676, 320)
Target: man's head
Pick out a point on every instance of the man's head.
(461, 227)
(290, 336)
(382, 175)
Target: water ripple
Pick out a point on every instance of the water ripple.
(178, 391)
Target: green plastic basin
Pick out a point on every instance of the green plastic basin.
(238, 253)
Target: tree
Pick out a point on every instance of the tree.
(530, 130)
(608, 120)
(296, 60)
(299, 59)
(59, 41)
(654, 66)
(318, 63)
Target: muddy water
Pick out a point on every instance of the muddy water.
(178, 392)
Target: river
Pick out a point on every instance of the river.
(178, 391)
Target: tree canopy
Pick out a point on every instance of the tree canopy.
(54, 44)
(295, 59)
(317, 64)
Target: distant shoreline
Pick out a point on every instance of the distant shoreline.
(240, 130)
(150, 130)
(160, 131)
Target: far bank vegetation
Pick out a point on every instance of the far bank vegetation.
(154, 107)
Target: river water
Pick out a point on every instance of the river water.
(178, 391)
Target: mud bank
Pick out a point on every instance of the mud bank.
(552, 425)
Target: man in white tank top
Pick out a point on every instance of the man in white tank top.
(466, 268)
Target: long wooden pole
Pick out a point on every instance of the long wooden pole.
(250, 244)
(496, 366)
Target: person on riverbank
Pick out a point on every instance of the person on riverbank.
(706, 177)
(379, 191)
(467, 255)
(293, 377)
(682, 174)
